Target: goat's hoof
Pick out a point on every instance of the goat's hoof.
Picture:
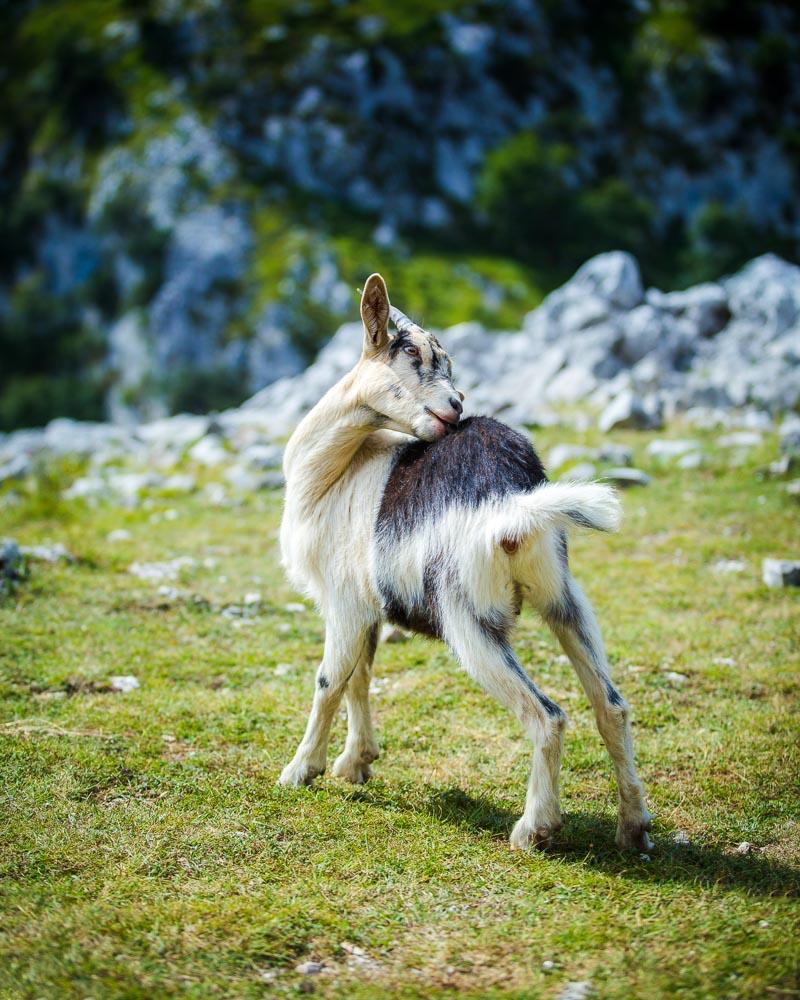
(528, 836)
(299, 773)
(633, 834)
(356, 770)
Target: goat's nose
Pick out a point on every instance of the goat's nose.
(455, 402)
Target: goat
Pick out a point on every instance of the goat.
(398, 509)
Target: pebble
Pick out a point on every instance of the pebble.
(576, 991)
(729, 566)
(626, 477)
(295, 608)
(675, 678)
(744, 848)
(679, 837)
(548, 964)
(124, 683)
(161, 570)
(119, 535)
(309, 968)
(48, 553)
(283, 669)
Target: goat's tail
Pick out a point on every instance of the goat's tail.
(523, 516)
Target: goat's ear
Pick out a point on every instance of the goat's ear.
(375, 314)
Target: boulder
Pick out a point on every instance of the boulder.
(630, 411)
(626, 477)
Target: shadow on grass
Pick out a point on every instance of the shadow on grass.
(589, 839)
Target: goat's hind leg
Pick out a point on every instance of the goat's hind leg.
(346, 647)
(485, 654)
(572, 619)
(361, 747)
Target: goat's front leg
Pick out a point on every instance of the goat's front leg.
(361, 747)
(345, 649)
(574, 623)
(489, 659)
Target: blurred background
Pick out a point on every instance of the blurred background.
(192, 189)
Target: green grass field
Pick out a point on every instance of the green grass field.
(145, 850)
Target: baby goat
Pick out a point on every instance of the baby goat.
(396, 509)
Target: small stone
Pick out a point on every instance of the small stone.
(309, 968)
(740, 439)
(295, 608)
(170, 593)
(560, 454)
(675, 678)
(252, 598)
(124, 684)
(692, 460)
(624, 477)
(283, 669)
(161, 570)
(724, 661)
(729, 566)
(681, 838)
(583, 472)
(763, 923)
(781, 572)
(118, 535)
(616, 454)
(48, 553)
(576, 991)
(390, 633)
(744, 848)
(548, 964)
(793, 489)
(663, 449)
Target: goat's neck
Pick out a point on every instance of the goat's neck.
(325, 443)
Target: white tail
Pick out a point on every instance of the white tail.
(522, 515)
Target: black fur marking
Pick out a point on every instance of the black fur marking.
(424, 616)
(567, 614)
(614, 697)
(480, 459)
(322, 681)
(372, 643)
(396, 344)
(514, 665)
(585, 522)
(563, 548)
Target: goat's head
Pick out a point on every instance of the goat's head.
(407, 376)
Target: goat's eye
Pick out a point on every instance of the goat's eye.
(412, 352)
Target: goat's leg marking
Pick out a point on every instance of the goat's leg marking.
(344, 651)
(486, 656)
(576, 628)
(361, 747)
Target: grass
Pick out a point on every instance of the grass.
(145, 850)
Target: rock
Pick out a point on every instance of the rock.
(583, 472)
(705, 306)
(119, 535)
(48, 553)
(675, 678)
(16, 468)
(273, 481)
(560, 454)
(729, 566)
(630, 411)
(161, 570)
(209, 451)
(310, 968)
(263, 456)
(781, 572)
(626, 477)
(179, 482)
(740, 439)
(692, 460)
(680, 838)
(789, 433)
(616, 454)
(242, 479)
(390, 633)
(793, 489)
(578, 990)
(667, 449)
(612, 277)
(548, 964)
(295, 608)
(124, 684)
(744, 848)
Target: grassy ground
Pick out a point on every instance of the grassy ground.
(145, 850)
